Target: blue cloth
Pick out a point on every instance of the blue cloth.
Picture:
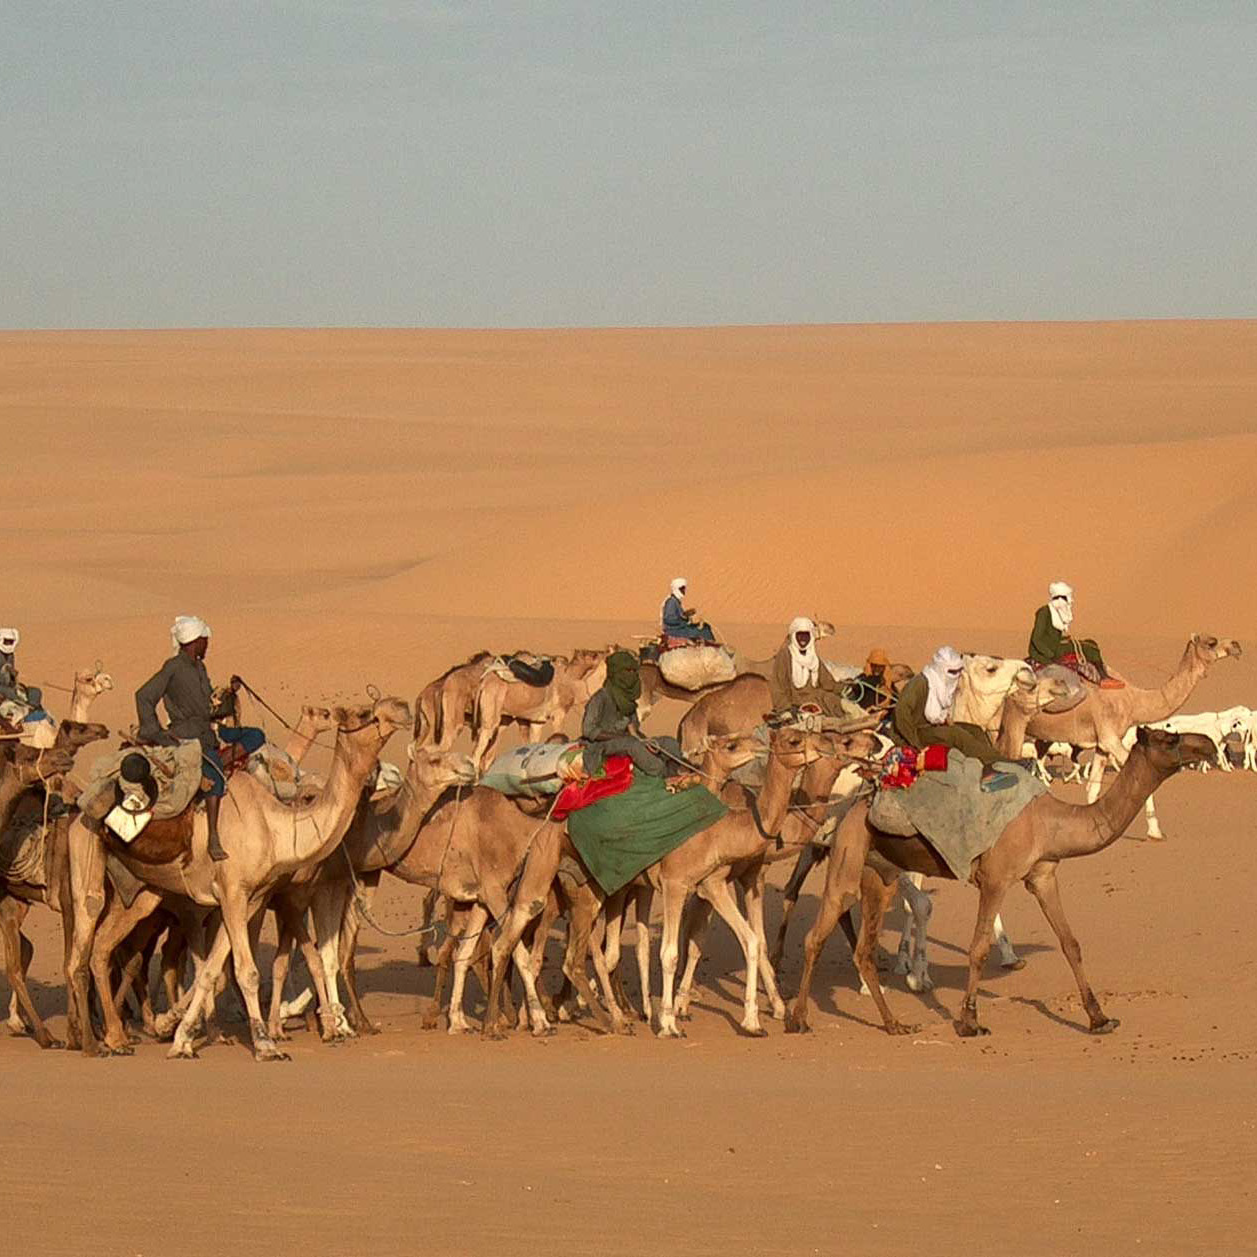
(246, 736)
(676, 625)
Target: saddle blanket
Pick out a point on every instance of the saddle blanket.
(950, 809)
(695, 667)
(176, 769)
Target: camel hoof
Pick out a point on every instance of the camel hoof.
(16, 1029)
(969, 1029)
(1014, 964)
(543, 1031)
(1107, 1026)
(186, 1052)
(53, 1045)
(918, 984)
(902, 964)
(368, 1027)
(797, 1025)
(625, 1028)
(118, 1049)
(429, 1023)
(267, 1051)
(899, 1027)
(669, 1032)
(753, 1032)
(493, 1033)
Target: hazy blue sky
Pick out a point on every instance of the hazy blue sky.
(502, 163)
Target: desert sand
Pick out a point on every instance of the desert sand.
(353, 508)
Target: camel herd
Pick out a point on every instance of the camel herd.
(500, 874)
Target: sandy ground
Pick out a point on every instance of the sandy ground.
(354, 508)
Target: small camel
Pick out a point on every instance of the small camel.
(1101, 720)
(1047, 831)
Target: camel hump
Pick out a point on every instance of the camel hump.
(1075, 688)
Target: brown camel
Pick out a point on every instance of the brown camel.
(1046, 832)
(543, 709)
(266, 841)
(1104, 717)
(36, 870)
(700, 861)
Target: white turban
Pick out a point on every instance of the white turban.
(942, 674)
(677, 591)
(1061, 605)
(187, 628)
(805, 663)
(9, 638)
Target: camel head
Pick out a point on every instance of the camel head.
(795, 747)
(74, 734)
(723, 754)
(384, 716)
(35, 766)
(318, 719)
(823, 627)
(1168, 752)
(1209, 649)
(988, 674)
(93, 681)
(435, 770)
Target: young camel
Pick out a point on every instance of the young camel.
(542, 708)
(265, 840)
(1044, 833)
(1101, 720)
(700, 861)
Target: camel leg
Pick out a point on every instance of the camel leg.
(431, 1016)
(754, 892)
(473, 924)
(87, 889)
(694, 922)
(118, 923)
(916, 931)
(279, 975)
(718, 891)
(174, 953)
(877, 893)
(990, 896)
(236, 919)
(1095, 774)
(488, 719)
(641, 910)
(842, 886)
(26, 952)
(614, 913)
(1008, 958)
(809, 857)
(1043, 885)
(17, 953)
(674, 896)
(584, 907)
(200, 995)
(351, 925)
(324, 965)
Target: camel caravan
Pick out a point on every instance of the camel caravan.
(184, 833)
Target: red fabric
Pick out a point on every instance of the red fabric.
(933, 759)
(616, 779)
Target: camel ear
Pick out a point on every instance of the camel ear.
(1141, 735)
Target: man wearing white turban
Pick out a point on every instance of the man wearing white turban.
(678, 620)
(799, 678)
(1052, 640)
(923, 713)
(11, 689)
(182, 686)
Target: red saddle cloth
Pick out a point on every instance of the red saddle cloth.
(617, 776)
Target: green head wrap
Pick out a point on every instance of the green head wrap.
(624, 681)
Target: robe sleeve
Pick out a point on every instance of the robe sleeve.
(779, 681)
(1045, 639)
(146, 699)
(909, 718)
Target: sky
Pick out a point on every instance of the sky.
(496, 163)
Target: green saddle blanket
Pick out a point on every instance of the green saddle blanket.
(619, 837)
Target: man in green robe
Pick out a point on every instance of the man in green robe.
(922, 714)
(1052, 642)
(798, 676)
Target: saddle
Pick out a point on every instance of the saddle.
(531, 669)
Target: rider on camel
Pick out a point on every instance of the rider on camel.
(678, 619)
(923, 713)
(1052, 642)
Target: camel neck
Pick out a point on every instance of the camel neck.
(774, 798)
(380, 835)
(1012, 730)
(331, 812)
(11, 789)
(80, 705)
(1118, 806)
(1150, 706)
(300, 740)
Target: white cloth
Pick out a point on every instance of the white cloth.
(805, 663)
(942, 674)
(187, 628)
(9, 638)
(1061, 605)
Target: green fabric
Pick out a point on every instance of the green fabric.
(619, 837)
(1048, 643)
(624, 681)
(912, 728)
